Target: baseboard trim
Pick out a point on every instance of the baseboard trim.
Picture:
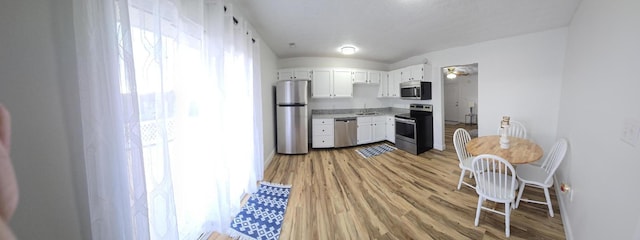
(563, 210)
(438, 147)
(269, 158)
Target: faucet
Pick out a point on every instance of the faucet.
(365, 108)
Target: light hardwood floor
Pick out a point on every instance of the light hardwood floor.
(338, 194)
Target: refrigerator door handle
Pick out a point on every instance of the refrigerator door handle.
(291, 105)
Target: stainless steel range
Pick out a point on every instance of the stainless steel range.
(414, 130)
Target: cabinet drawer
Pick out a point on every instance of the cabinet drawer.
(364, 121)
(317, 121)
(322, 130)
(379, 119)
(320, 141)
(390, 119)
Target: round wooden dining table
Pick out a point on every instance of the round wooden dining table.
(520, 151)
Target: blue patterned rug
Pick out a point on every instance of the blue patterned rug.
(375, 150)
(261, 217)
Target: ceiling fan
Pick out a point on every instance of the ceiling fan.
(453, 72)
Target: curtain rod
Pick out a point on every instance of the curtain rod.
(235, 21)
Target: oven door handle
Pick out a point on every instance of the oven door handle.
(405, 121)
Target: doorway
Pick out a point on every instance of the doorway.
(461, 94)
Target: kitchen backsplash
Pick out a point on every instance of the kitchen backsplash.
(359, 110)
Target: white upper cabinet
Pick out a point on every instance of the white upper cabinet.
(285, 74)
(411, 73)
(294, 74)
(376, 76)
(322, 83)
(420, 72)
(405, 74)
(331, 83)
(359, 76)
(426, 72)
(417, 72)
(389, 84)
(302, 74)
(394, 83)
(383, 89)
(342, 83)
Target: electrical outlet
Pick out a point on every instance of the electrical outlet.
(631, 132)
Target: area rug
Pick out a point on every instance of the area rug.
(261, 217)
(375, 150)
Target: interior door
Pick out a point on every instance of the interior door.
(451, 101)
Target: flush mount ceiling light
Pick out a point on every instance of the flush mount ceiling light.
(347, 50)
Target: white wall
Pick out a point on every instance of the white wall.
(30, 80)
(268, 65)
(518, 76)
(364, 95)
(599, 93)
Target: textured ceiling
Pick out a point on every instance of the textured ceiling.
(388, 31)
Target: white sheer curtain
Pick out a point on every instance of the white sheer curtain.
(170, 116)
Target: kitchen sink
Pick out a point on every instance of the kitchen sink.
(367, 114)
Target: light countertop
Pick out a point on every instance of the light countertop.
(343, 113)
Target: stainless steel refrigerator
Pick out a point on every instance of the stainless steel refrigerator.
(291, 116)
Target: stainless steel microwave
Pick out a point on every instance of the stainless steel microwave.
(415, 90)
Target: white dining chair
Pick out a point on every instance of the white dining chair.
(460, 139)
(495, 181)
(542, 176)
(515, 129)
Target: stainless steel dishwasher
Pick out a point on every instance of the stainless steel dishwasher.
(345, 132)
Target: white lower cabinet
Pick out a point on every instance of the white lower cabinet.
(322, 133)
(371, 129)
(391, 129)
(379, 128)
(364, 130)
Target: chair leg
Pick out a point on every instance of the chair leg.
(470, 174)
(507, 218)
(480, 200)
(546, 194)
(461, 178)
(520, 193)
